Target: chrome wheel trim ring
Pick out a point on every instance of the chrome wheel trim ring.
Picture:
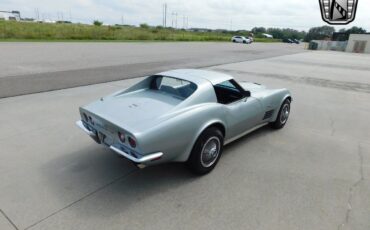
(210, 152)
(284, 113)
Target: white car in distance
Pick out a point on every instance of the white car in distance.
(241, 39)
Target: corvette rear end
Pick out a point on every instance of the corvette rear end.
(118, 139)
(128, 121)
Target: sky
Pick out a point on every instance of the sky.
(213, 14)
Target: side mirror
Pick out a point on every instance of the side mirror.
(247, 93)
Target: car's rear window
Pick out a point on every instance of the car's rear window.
(174, 86)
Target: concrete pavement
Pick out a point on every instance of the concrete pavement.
(313, 174)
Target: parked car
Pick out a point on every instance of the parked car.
(241, 39)
(182, 115)
(288, 40)
(295, 41)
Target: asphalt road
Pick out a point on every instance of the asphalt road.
(313, 174)
(38, 67)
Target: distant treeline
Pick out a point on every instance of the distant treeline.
(315, 33)
(13, 30)
(278, 33)
(324, 32)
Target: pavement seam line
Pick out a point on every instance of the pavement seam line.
(353, 186)
(139, 76)
(9, 220)
(250, 60)
(82, 198)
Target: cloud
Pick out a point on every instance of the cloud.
(238, 14)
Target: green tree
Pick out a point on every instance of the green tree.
(356, 30)
(319, 33)
(259, 30)
(97, 23)
(144, 25)
(344, 36)
(286, 33)
(276, 33)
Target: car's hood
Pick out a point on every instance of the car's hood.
(134, 111)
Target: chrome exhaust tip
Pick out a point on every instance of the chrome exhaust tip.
(140, 166)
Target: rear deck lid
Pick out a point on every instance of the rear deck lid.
(135, 111)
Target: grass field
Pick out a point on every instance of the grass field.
(30, 31)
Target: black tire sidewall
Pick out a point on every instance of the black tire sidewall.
(194, 161)
(277, 124)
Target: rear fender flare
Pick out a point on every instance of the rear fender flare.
(184, 157)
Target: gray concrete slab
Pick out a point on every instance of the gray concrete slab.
(38, 67)
(313, 174)
(5, 223)
(331, 69)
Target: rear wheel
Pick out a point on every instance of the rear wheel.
(283, 115)
(206, 151)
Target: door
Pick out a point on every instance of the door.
(242, 112)
(242, 116)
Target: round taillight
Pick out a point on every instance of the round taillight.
(132, 142)
(121, 137)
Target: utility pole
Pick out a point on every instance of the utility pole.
(163, 10)
(37, 14)
(183, 21)
(176, 20)
(172, 20)
(164, 15)
(122, 20)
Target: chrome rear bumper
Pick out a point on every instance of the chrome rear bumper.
(150, 157)
(146, 158)
(81, 126)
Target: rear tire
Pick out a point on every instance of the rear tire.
(282, 116)
(206, 151)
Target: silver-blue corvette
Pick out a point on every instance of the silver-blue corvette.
(182, 115)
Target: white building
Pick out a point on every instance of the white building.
(358, 43)
(10, 15)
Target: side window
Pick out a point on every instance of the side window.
(228, 92)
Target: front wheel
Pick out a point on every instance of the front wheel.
(283, 115)
(206, 151)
